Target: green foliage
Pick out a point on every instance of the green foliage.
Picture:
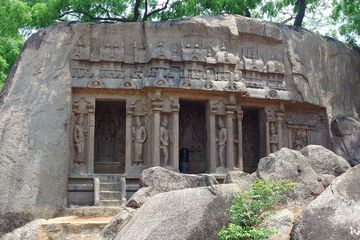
(347, 12)
(251, 207)
(14, 15)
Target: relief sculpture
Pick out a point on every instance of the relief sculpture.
(140, 136)
(300, 139)
(274, 146)
(79, 139)
(222, 139)
(164, 141)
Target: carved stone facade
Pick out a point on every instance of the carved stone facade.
(137, 104)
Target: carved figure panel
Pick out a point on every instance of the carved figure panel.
(139, 137)
(221, 142)
(165, 142)
(81, 110)
(304, 129)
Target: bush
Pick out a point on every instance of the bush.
(251, 207)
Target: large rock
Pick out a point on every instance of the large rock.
(35, 106)
(157, 180)
(346, 138)
(164, 180)
(324, 161)
(292, 165)
(112, 229)
(281, 222)
(194, 213)
(30, 231)
(335, 214)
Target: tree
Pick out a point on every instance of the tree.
(347, 12)
(14, 15)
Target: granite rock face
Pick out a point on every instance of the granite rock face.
(34, 110)
(193, 213)
(30, 231)
(36, 103)
(335, 213)
(346, 138)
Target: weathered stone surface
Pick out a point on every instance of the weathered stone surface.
(194, 213)
(335, 213)
(282, 222)
(292, 165)
(346, 137)
(164, 180)
(324, 161)
(244, 180)
(157, 180)
(112, 229)
(30, 231)
(140, 196)
(34, 121)
(326, 179)
(90, 211)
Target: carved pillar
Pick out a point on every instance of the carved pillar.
(91, 139)
(280, 117)
(240, 143)
(273, 131)
(175, 149)
(267, 130)
(212, 146)
(128, 136)
(230, 134)
(156, 133)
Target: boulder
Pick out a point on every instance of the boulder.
(244, 180)
(164, 180)
(324, 161)
(157, 179)
(282, 222)
(334, 214)
(346, 138)
(326, 179)
(30, 231)
(193, 213)
(117, 223)
(292, 165)
(140, 196)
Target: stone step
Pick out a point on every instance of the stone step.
(110, 178)
(110, 186)
(111, 203)
(110, 195)
(89, 211)
(74, 227)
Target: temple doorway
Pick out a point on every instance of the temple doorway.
(109, 143)
(253, 138)
(192, 134)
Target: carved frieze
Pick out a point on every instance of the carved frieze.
(179, 65)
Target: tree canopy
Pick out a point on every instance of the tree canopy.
(18, 18)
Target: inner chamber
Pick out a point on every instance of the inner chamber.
(192, 134)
